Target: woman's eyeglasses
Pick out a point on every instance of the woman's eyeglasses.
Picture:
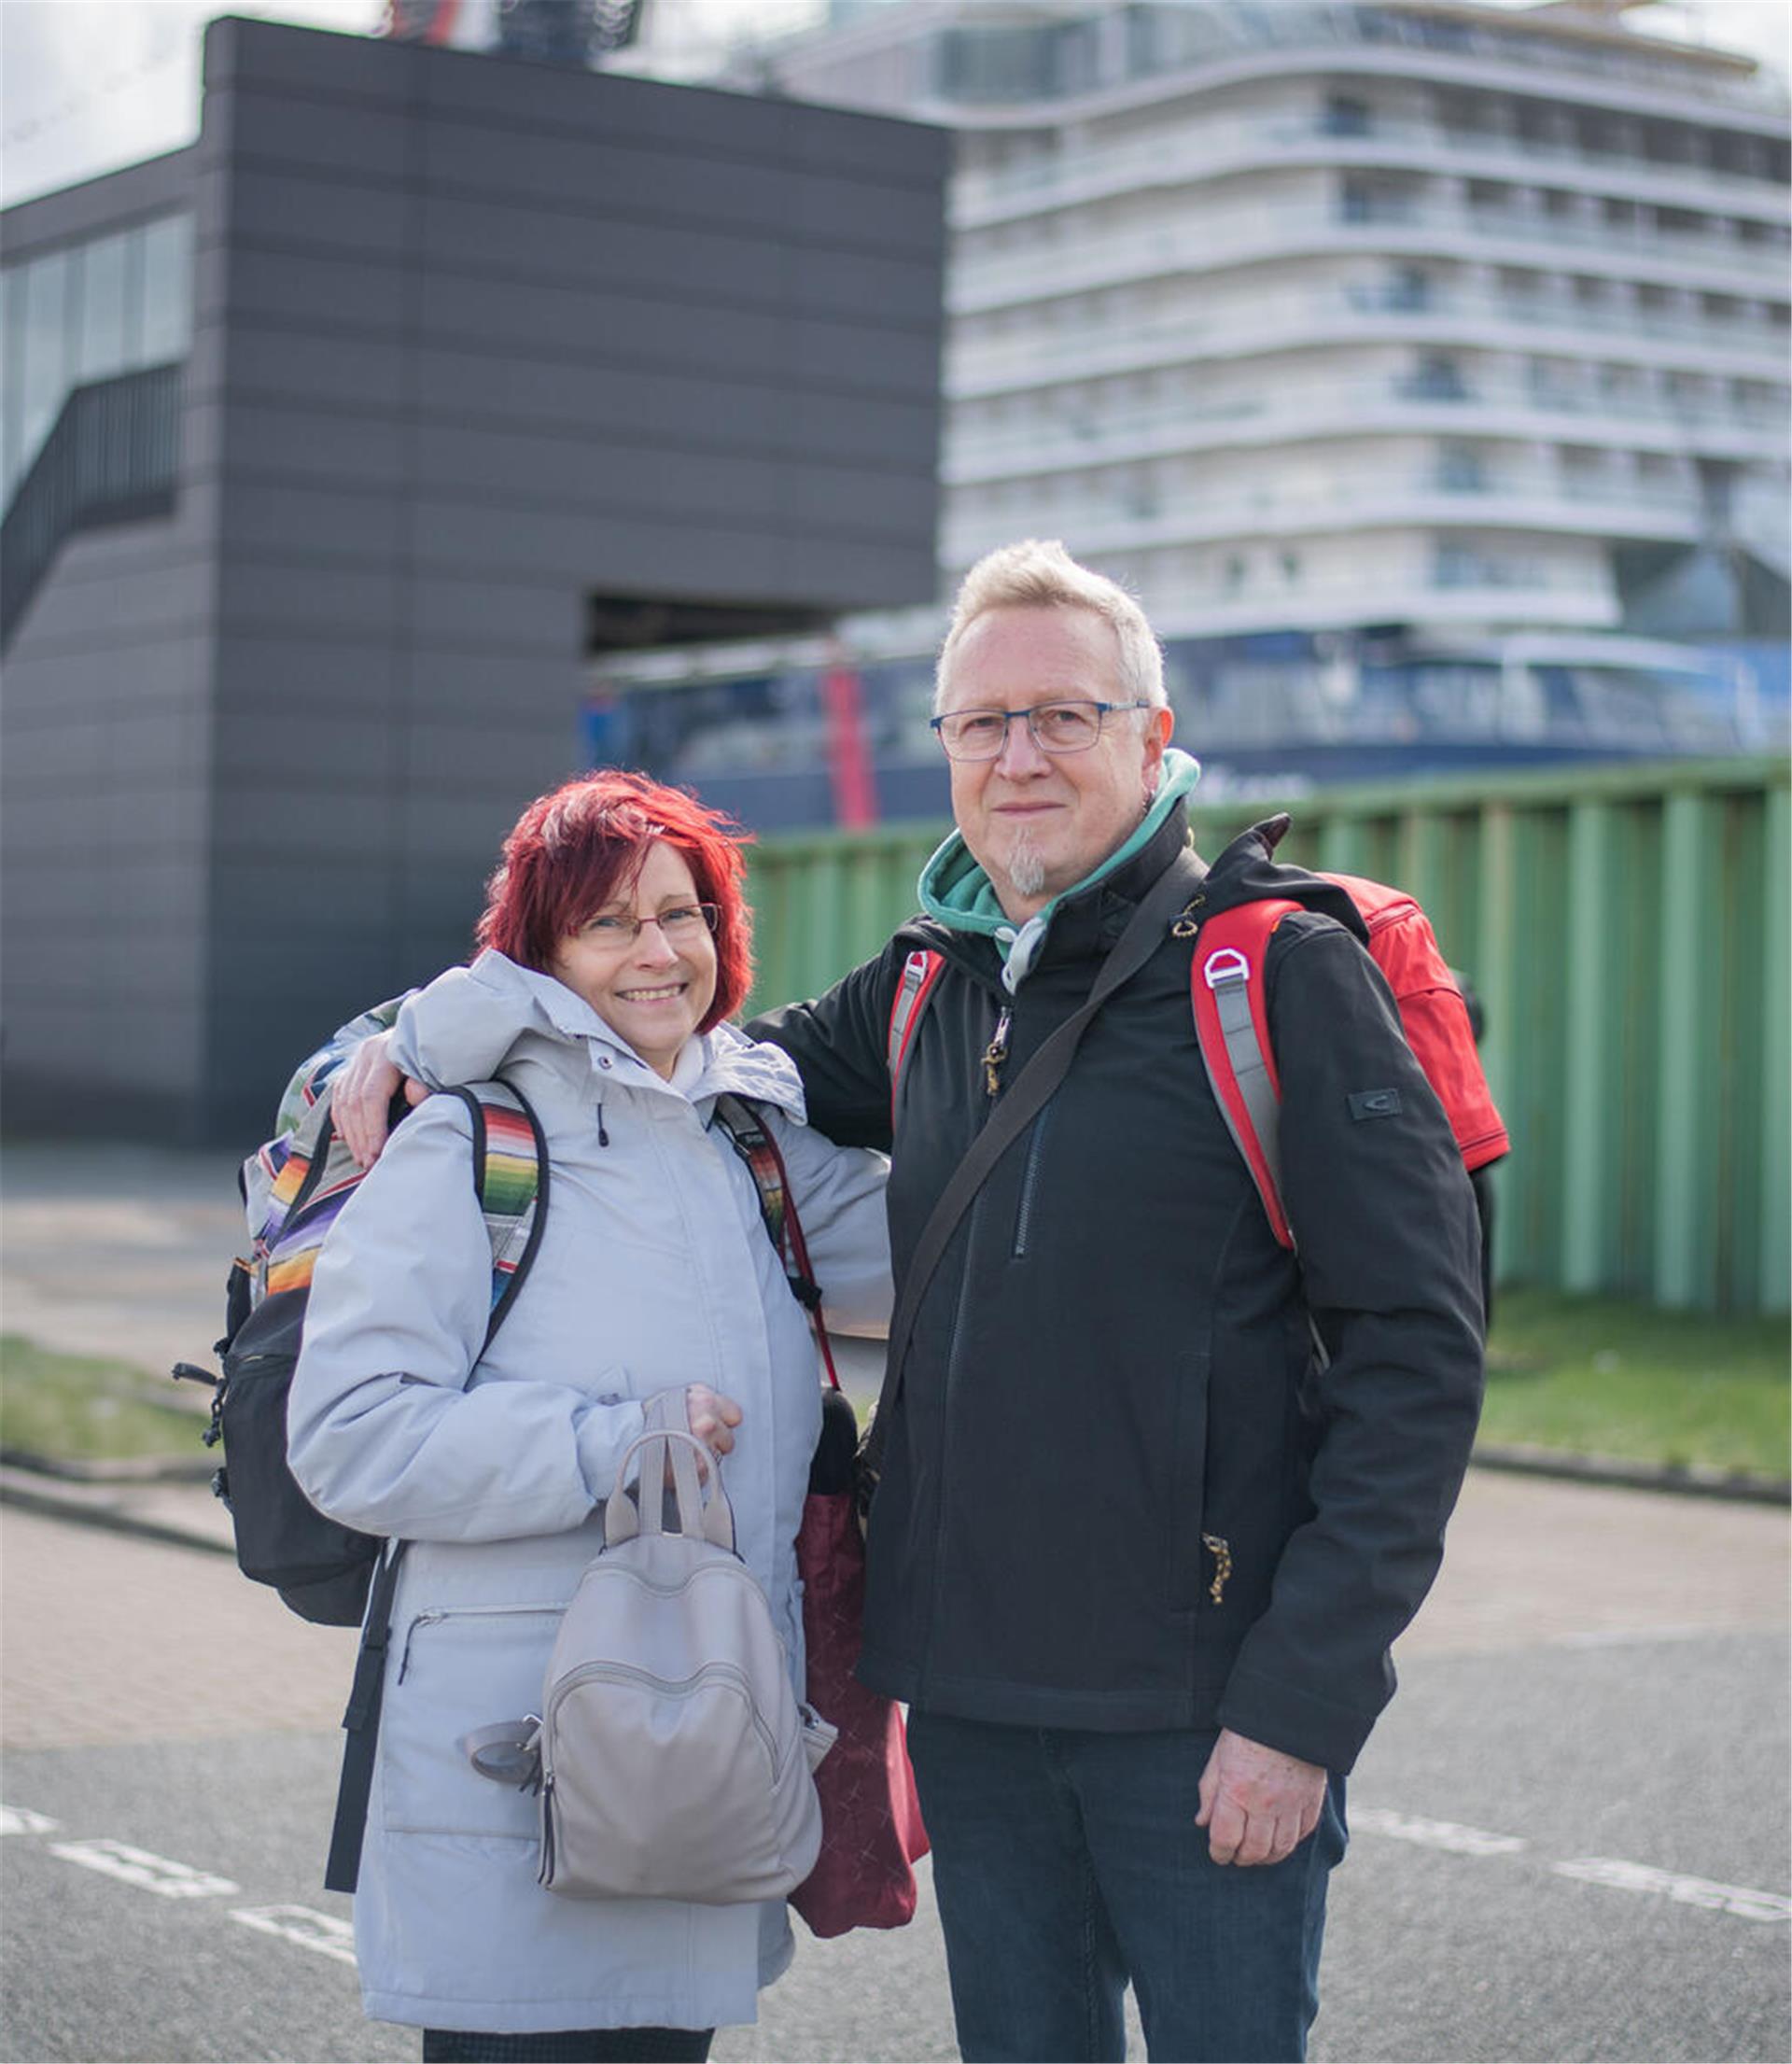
(682, 926)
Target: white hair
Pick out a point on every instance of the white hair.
(1039, 573)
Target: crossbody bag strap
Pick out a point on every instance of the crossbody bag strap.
(1026, 1096)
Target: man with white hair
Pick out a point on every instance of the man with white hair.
(1155, 1497)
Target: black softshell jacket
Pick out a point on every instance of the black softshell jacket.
(1118, 1492)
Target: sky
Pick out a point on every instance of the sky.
(88, 85)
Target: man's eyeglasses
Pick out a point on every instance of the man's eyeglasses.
(1055, 728)
(682, 926)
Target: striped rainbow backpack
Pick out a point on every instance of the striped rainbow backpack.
(293, 1189)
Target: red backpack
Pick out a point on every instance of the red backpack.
(1232, 1023)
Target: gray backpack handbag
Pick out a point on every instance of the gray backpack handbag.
(672, 1756)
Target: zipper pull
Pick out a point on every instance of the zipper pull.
(995, 1053)
(1222, 1554)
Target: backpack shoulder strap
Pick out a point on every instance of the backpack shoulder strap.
(510, 1176)
(1232, 1025)
(751, 1138)
(920, 971)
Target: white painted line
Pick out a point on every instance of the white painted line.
(22, 1820)
(1433, 1834)
(153, 1873)
(303, 1925)
(1684, 1891)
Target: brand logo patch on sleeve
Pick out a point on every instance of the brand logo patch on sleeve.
(1375, 1103)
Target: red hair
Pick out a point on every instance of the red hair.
(573, 850)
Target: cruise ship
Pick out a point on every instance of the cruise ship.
(1423, 366)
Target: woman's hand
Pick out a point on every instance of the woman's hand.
(359, 1092)
(712, 1417)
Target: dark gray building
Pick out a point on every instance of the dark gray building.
(335, 445)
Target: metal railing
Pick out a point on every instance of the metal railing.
(1091, 436)
(111, 457)
(986, 364)
(1213, 239)
(1214, 146)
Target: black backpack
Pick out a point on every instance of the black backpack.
(294, 1187)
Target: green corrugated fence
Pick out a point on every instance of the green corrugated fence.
(1628, 928)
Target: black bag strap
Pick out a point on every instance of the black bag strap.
(361, 1724)
(1026, 1096)
(367, 1693)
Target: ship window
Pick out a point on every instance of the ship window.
(1460, 468)
(1346, 116)
(1436, 376)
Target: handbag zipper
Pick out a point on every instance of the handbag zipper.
(628, 1673)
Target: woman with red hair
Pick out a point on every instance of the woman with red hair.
(616, 944)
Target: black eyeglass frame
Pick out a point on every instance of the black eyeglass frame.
(1103, 710)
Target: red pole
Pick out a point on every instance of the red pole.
(855, 789)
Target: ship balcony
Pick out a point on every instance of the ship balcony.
(1219, 239)
(1492, 595)
(1223, 149)
(1307, 319)
(1712, 428)
(1430, 500)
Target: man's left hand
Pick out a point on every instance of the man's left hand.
(1257, 1805)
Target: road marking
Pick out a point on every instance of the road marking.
(1433, 1834)
(152, 1874)
(22, 1820)
(1684, 1891)
(1616, 1872)
(303, 1925)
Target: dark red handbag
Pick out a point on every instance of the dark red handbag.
(871, 1820)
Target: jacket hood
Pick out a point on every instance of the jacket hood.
(956, 891)
(1247, 871)
(471, 1019)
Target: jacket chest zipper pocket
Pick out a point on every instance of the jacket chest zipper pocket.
(435, 1615)
(1030, 1182)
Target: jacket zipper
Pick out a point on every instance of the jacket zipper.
(434, 1615)
(1030, 1182)
(946, 1431)
(996, 1053)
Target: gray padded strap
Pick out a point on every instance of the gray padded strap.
(1231, 989)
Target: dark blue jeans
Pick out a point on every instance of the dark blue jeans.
(1068, 1862)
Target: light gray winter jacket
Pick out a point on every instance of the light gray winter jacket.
(654, 1271)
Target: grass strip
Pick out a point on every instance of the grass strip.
(76, 1408)
(1606, 1376)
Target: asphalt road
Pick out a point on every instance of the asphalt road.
(1571, 1845)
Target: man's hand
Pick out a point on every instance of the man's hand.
(1257, 1805)
(360, 1091)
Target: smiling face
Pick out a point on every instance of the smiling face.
(655, 991)
(1038, 822)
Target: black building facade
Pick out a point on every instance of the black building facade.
(333, 449)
